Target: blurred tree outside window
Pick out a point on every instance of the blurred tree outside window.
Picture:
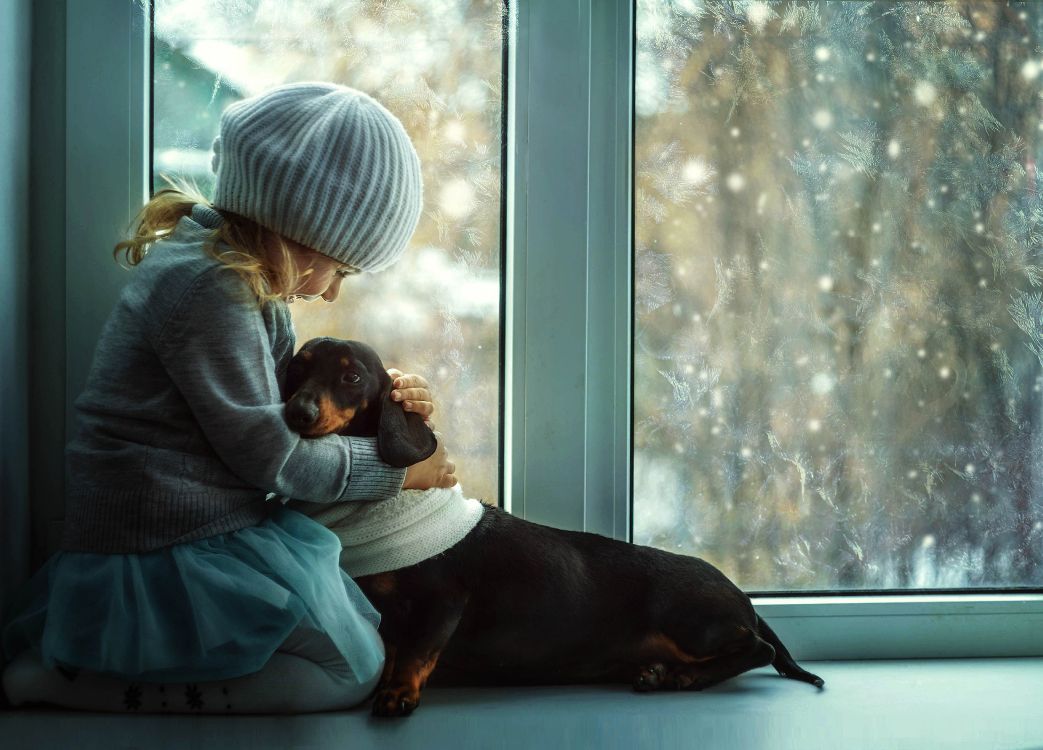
(437, 65)
(839, 291)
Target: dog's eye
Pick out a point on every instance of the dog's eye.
(350, 377)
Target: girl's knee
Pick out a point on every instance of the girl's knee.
(367, 687)
(316, 688)
(357, 690)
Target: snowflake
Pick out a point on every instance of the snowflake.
(132, 697)
(925, 93)
(758, 14)
(822, 119)
(457, 198)
(698, 171)
(822, 383)
(193, 697)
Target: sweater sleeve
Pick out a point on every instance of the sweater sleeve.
(216, 349)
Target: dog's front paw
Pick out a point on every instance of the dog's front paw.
(395, 701)
(650, 678)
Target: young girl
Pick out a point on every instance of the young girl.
(180, 585)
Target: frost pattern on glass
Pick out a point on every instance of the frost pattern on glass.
(839, 291)
(437, 65)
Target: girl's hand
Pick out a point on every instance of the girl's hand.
(434, 471)
(413, 392)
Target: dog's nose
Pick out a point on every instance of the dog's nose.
(301, 414)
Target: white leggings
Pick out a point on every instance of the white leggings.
(304, 675)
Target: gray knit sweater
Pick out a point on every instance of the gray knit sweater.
(181, 426)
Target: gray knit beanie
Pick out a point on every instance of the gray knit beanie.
(324, 165)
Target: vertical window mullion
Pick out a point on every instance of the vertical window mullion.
(609, 258)
(569, 265)
(547, 263)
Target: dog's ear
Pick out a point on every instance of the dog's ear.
(296, 371)
(402, 437)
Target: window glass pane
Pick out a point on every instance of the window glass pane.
(436, 64)
(839, 291)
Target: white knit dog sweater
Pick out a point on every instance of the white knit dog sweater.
(390, 534)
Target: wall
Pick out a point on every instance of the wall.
(15, 29)
(47, 308)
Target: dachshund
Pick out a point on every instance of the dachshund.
(516, 602)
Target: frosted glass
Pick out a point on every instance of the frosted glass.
(839, 313)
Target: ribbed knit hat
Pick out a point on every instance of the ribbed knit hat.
(324, 165)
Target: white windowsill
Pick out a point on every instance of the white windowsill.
(970, 703)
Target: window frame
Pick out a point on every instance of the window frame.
(568, 312)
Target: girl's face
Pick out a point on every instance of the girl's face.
(320, 274)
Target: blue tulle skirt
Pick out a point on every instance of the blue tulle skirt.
(211, 609)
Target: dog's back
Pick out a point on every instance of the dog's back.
(546, 605)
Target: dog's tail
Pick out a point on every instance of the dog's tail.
(784, 663)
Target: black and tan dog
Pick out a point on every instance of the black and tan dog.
(515, 602)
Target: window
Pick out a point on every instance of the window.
(438, 67)
(839, 320)
(589, 165)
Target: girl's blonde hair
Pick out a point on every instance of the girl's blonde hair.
(262, 257)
